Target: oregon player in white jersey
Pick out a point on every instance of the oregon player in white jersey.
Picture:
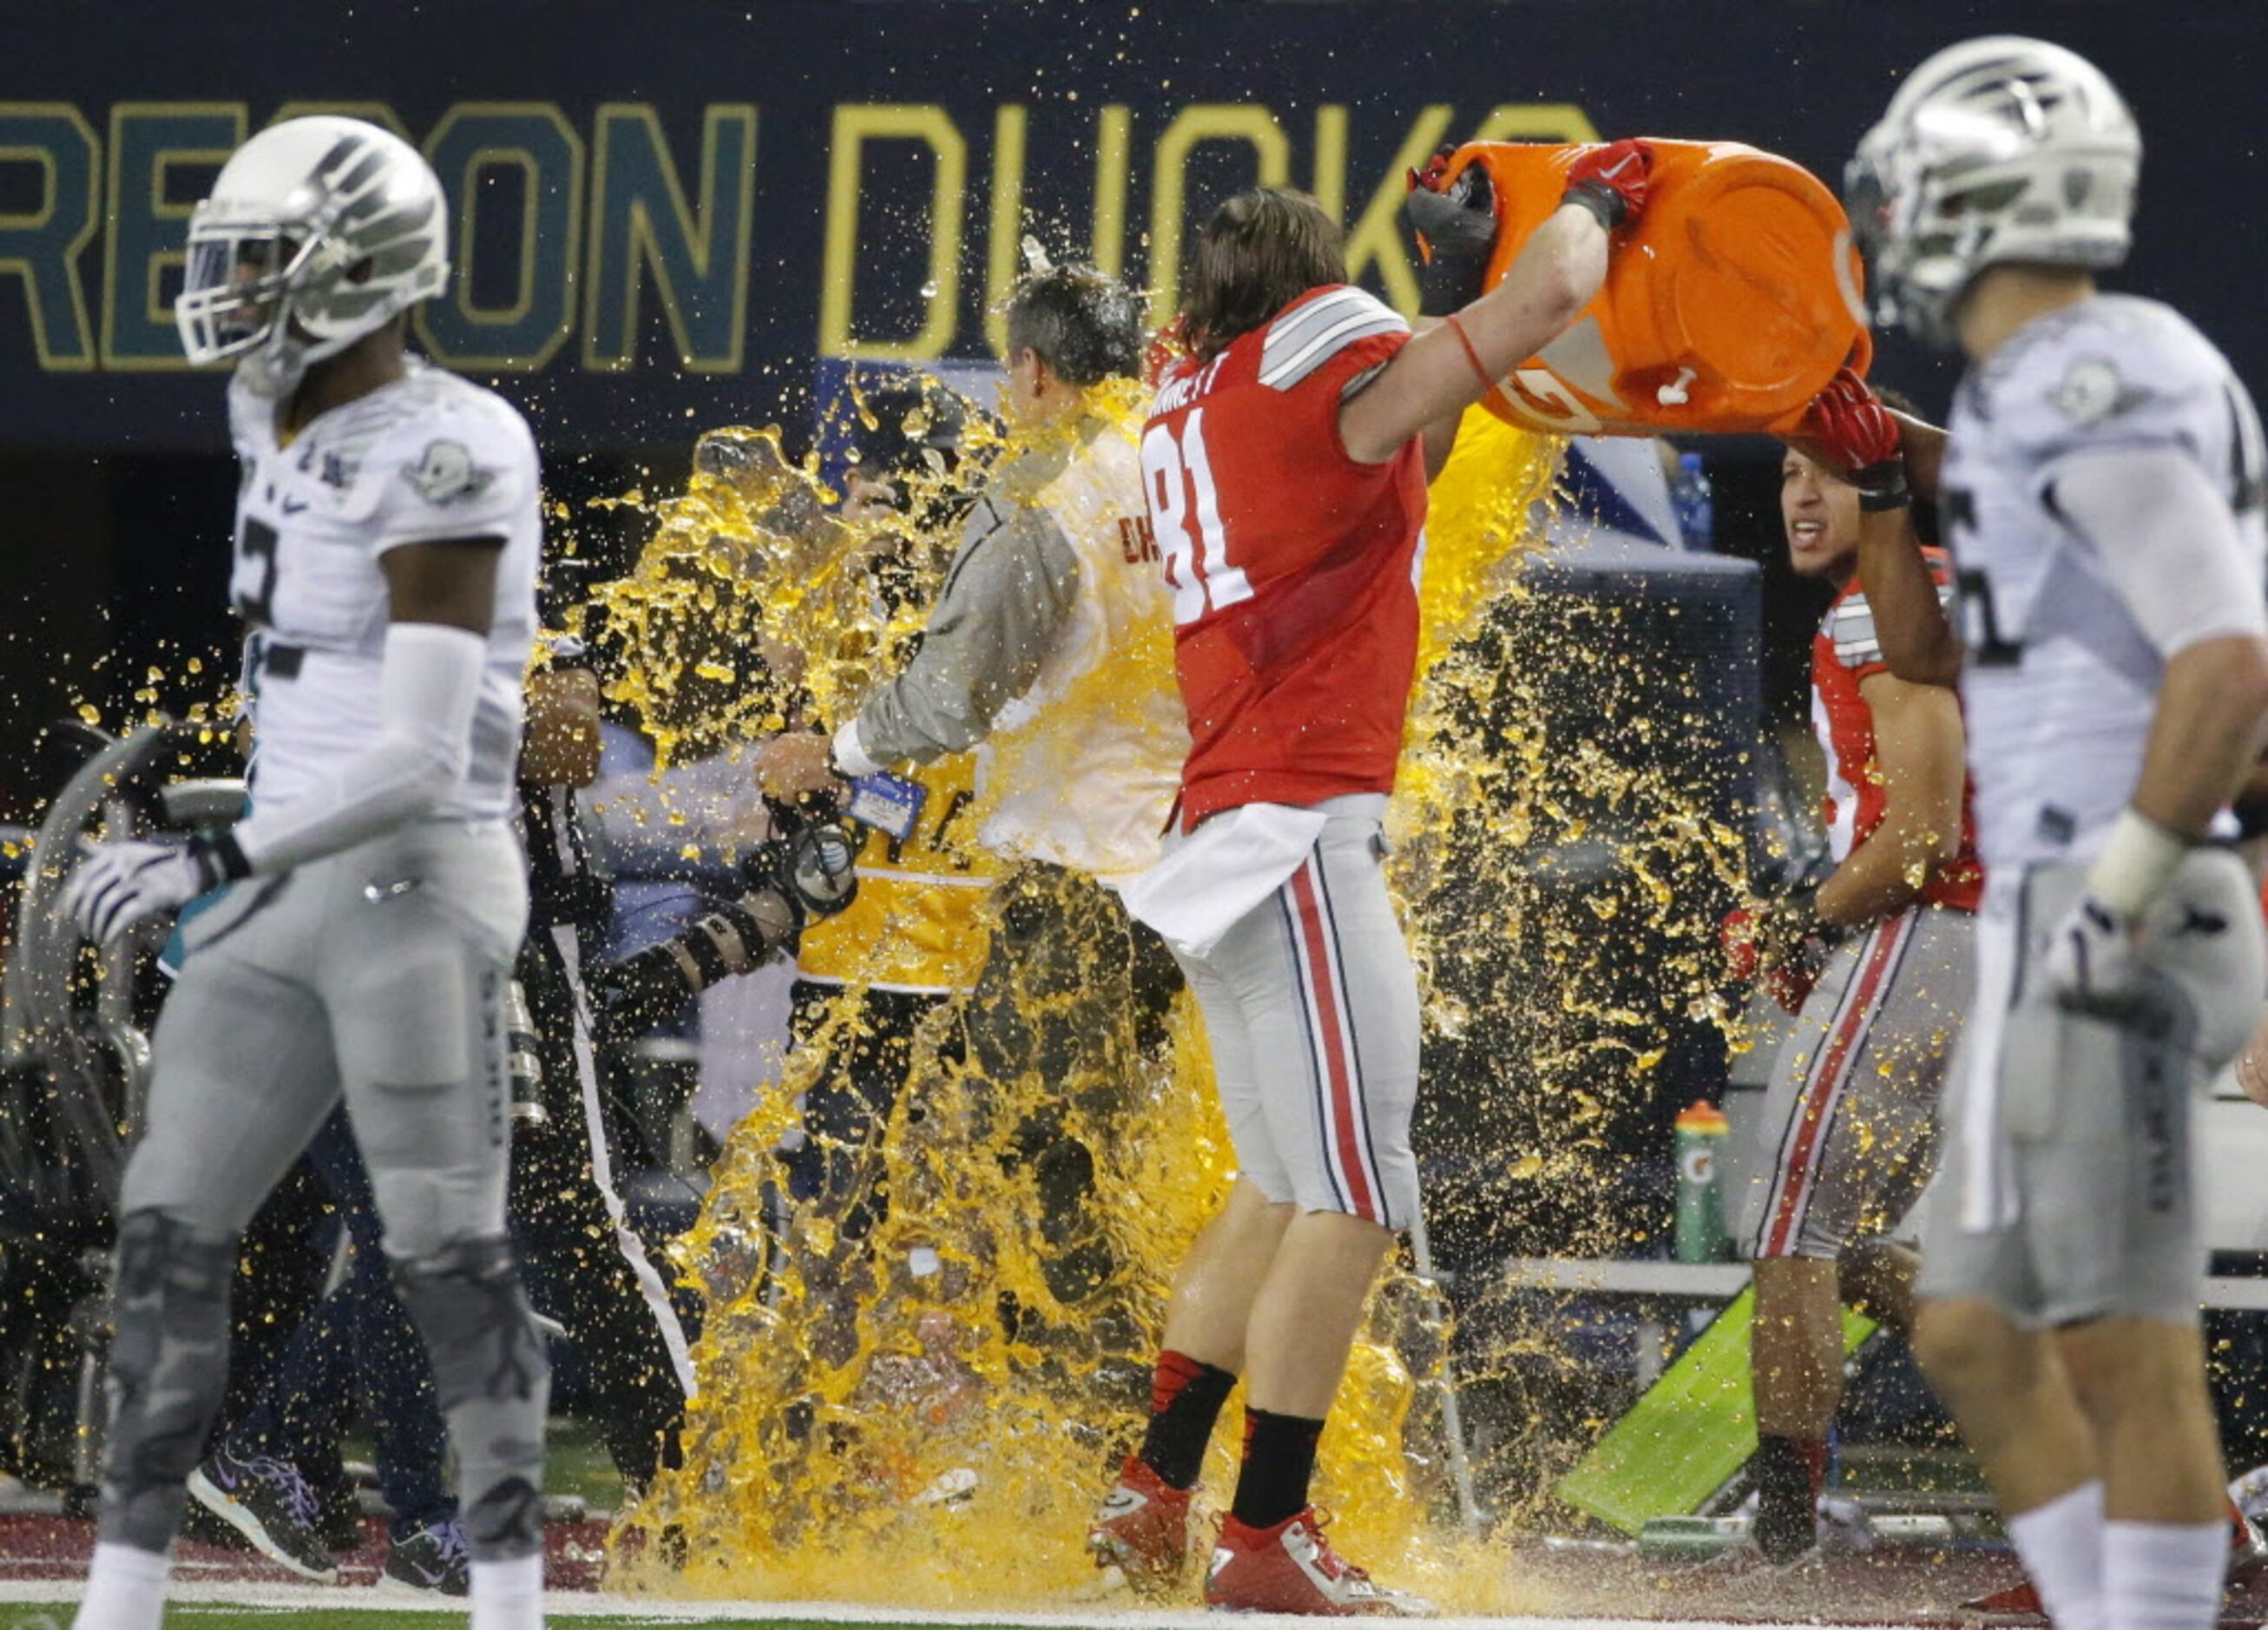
(2102, 490)
(386, 543)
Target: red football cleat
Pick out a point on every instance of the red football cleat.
(2018, 1601)
(2247, 1555)
(1291, 1569)
(1143, 1530)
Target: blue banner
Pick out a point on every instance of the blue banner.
(665, 212)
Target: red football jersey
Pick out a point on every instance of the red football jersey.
(1844, 654)
(1293, 567)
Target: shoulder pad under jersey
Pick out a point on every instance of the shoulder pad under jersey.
(2111, 372)
(1317, 328)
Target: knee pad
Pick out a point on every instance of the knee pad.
(168, 1367)
(494, 1384)
(468, 1304)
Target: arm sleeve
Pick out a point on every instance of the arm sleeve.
(2166, 539)
(429, 682)
(1324, 350)
(1005, 603)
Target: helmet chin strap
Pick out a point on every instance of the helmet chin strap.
(275, 370)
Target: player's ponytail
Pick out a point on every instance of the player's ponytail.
(1262, 250)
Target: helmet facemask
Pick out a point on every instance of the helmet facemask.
(334, 229)
(235, 304)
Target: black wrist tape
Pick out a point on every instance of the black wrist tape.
(1883, 486)
(1602, 201)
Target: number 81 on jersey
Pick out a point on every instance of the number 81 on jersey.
(1185, 507)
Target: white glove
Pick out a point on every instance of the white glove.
(118, 885)
(2095, 960)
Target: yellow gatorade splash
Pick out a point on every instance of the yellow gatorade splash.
(916, 1420)
(913, 1416)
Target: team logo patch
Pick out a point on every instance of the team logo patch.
(2094, 390)
(447, 473)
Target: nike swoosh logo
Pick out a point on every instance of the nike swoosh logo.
(1121, 1502)
(291, 508)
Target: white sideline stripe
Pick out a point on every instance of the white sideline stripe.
(586, 1604)
(1705, 1281)
(602, 1173)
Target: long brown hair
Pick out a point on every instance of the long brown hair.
(1262, 250)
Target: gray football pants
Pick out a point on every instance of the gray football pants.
(2066, 1192)
(379, 974)
(1311, 1006)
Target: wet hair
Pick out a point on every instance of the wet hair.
(919, 426)
(1084, 323)
(1262, 250)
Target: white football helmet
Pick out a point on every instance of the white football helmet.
(318, 230)
(1993, 151)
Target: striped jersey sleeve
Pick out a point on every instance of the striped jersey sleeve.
(1311, 333)
(1851, 624)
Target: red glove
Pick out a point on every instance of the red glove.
(1744, 959)
(1436, 170)
(1849, 427)
(1610, 180)
(1775, 947)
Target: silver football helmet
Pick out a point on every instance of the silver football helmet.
(1993, 151)
(318, 230)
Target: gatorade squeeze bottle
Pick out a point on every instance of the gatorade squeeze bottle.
(1728, 305)
(1701, 1235)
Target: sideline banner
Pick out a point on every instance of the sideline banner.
(664, 213)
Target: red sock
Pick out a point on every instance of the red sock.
(1185, 1399)
(1174, 1371)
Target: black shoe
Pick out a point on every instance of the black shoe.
(269, 1504)
(431, 1556)
(338, 1517)
(1786, 1523)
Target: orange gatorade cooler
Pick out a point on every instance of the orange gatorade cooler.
(1726, 307)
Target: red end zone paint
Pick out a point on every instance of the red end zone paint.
(56, 1548)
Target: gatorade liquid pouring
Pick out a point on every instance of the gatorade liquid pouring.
(1733, 300)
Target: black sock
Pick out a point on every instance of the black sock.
(1185, 1400)
(1787, 1473)
(1279, 1459)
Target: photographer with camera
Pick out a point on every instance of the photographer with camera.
(915, 939)
(568, 1210)
(1048, 654)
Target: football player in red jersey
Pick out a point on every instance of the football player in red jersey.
(1846, 1135)
(1284, 464)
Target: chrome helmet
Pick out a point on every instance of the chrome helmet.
(318, 231)
(1994, 151)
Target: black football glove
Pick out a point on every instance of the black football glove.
(1454, 227)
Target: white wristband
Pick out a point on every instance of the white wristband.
(850, 757)
(2136, 860)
